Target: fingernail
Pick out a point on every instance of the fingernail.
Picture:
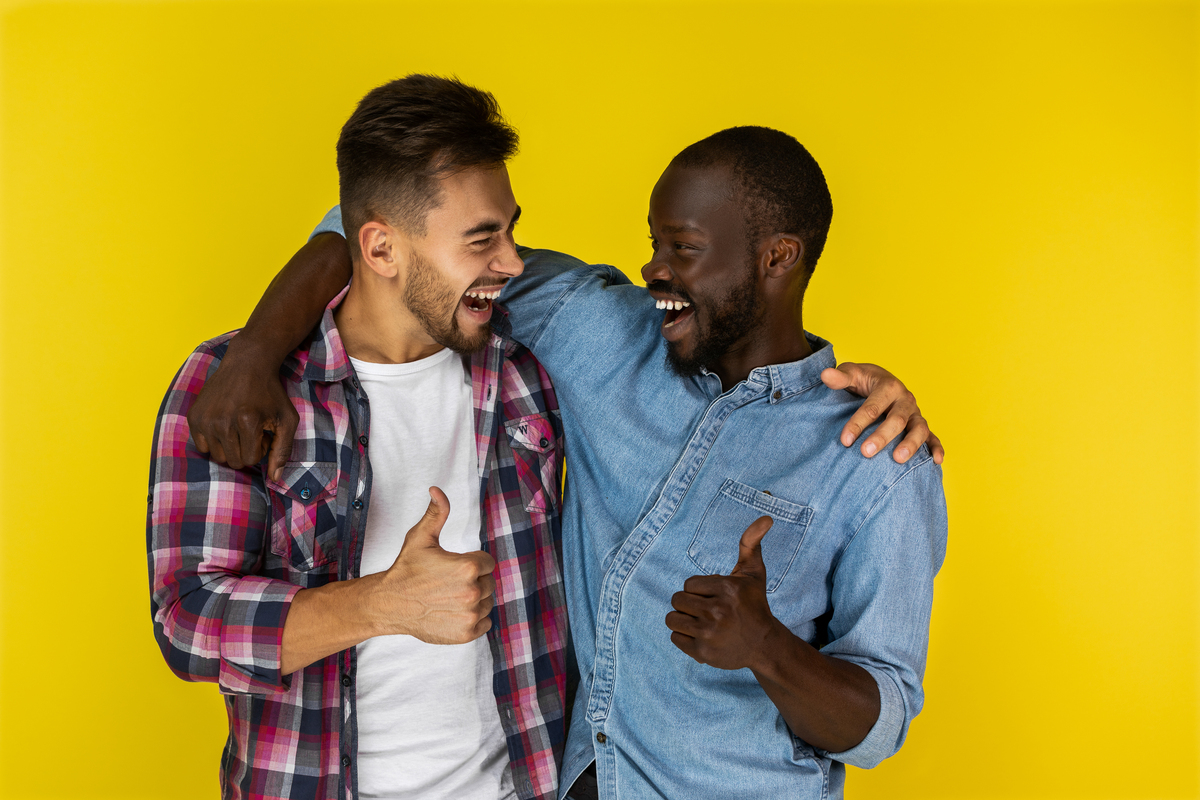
(902, 452)
(870, 449)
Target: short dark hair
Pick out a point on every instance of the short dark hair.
(781, 186)
(403, 137)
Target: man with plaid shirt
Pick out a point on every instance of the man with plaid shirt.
(350, 647)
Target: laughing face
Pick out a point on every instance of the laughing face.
(467, 254)
(702, 273)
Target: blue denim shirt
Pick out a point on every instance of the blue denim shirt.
(664, 475)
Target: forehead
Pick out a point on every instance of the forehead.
(700, 197)
(472, 197)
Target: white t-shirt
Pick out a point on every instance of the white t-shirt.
(428, 726)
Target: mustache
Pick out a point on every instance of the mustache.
(669, 288)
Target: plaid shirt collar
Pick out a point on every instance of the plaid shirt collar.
(325, 359)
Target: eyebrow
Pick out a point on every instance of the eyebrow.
(677, 228)
(492, 226)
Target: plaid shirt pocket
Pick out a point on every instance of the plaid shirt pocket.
(304, 514)
(533, 440)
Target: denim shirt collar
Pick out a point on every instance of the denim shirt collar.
(782, 381)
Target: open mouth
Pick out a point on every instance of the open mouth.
(677, 321)
(677, 311)
(478, 302)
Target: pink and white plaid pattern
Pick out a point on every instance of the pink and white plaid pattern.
(228, 551)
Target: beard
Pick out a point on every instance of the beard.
(435, 305)
(728, 323)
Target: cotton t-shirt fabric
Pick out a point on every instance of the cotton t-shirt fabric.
(427, 719)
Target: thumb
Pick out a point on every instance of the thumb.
(839, 378)
(750, 559)
(427, 530)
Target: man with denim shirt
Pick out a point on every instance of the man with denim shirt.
(325, 625)
(716, 661)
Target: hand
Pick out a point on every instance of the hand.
(243, 414)
(437, 596)
(884, 392)
(724, 620)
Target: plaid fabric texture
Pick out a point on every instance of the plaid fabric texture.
(228, 550)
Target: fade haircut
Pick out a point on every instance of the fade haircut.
(780, 186)
(403, 137)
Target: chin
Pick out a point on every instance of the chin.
(685, 365)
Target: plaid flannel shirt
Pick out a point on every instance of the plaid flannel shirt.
(229, 549)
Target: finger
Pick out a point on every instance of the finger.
(281, 443)
(704, 585)
(483, 626)
(484, 607)
(251, 439)
(918, 433)
(484, 563)
(837, 378)
(427, 530)
(867, 413)
(487, 585)
(891, 427)
(935, 445)
(200, 442)
(750, 560)
(682, 623)
(689, 603)
(685, 643)
(232, 445)
(216, 452)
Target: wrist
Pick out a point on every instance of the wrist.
(776, 648)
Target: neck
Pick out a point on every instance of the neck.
(376, 326)
(778, 339)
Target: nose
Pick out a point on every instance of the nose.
(656, 270)
(508, 261)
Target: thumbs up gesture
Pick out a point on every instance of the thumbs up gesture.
(724, 620)
(435, 595)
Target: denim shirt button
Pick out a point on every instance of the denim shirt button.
(778, 394)
(601, 738)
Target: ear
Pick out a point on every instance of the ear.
(780, 255)
(380, 246)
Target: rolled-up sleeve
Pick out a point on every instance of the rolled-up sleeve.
(215, 619)
(330, 223)
(882, 598)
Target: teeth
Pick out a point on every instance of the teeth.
(492, 295)
(677, 305)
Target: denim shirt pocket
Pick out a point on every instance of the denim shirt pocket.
(714, 548)
(534, 444)
(304, 514)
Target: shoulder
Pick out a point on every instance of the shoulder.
(852, 479)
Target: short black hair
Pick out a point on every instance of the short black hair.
(403, 137)
(781, 186)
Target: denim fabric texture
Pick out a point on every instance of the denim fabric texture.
(664, 475)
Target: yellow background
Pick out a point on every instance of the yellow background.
(1016, 235)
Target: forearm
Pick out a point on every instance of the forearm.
(294, 302)
(327, 620)
(829, 703)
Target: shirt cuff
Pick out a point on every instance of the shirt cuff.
(330, 223)
(252, 636)
(886, 734)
